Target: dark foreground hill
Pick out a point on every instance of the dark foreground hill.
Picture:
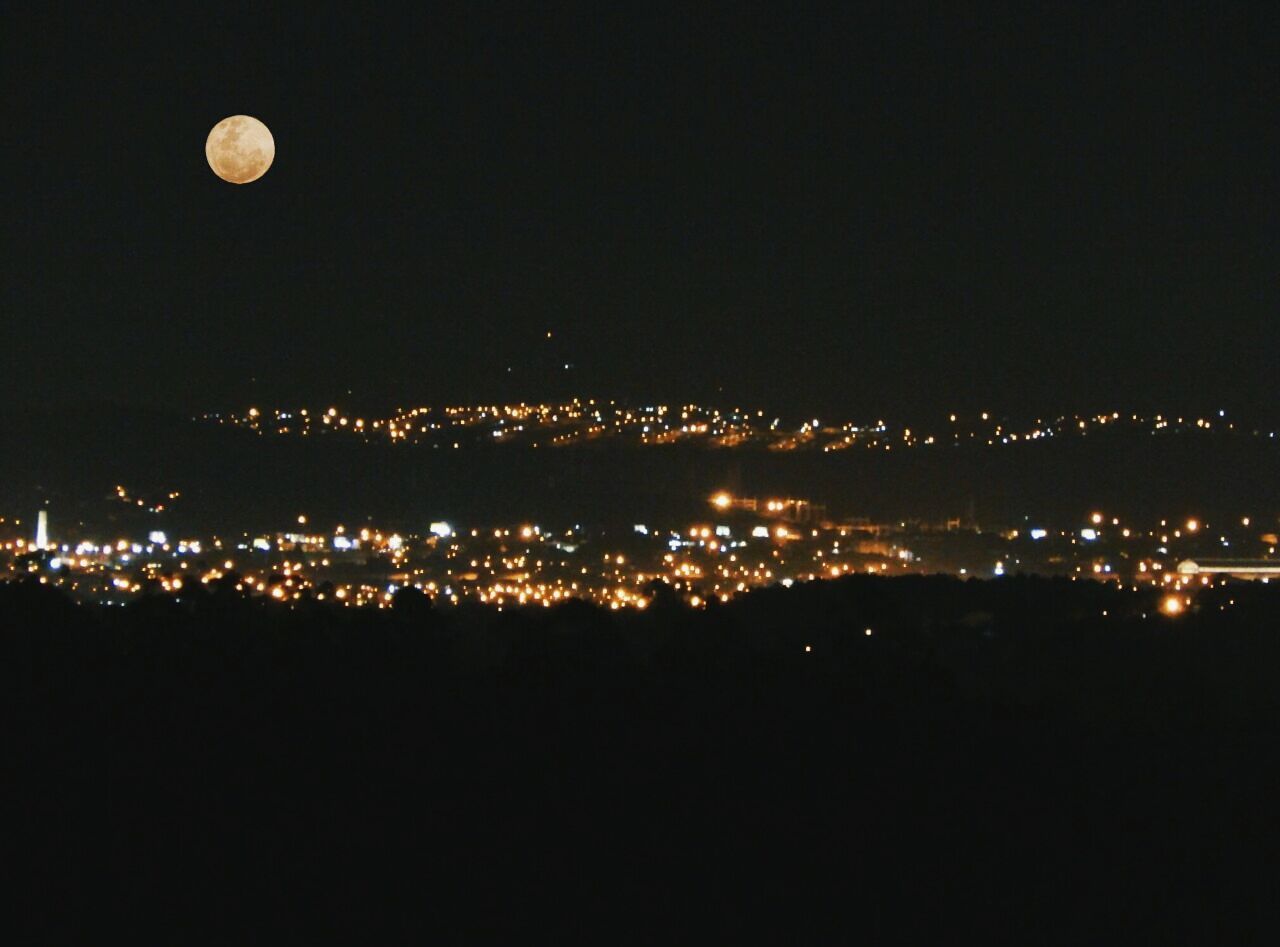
(994, 758)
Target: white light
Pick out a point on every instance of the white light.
(722, 530)
(441, 529)
(157, 536)
(1089, 534)
(341, 542)
(641, 529)
(760, 532)
(1039, 533)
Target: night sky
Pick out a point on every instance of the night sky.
(888, 212)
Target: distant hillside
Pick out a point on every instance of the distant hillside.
(232, 479)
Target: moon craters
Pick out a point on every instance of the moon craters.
(240, 149)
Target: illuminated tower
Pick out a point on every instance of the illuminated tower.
(42, 530)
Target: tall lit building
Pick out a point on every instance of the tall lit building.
(42, 529)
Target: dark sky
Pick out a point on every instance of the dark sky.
(896, 210)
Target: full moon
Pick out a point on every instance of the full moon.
(240, 149)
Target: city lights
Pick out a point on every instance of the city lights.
(763, 542)
(585, 420)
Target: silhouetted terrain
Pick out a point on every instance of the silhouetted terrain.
(994, 758)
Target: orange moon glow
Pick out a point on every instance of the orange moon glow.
(240, 149)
